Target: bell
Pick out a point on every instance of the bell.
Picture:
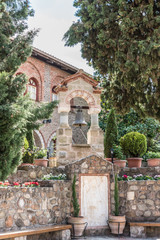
(79, 119)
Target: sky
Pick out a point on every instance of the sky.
(54, 17)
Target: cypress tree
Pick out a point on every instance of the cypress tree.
(16, 110)
(111, 134)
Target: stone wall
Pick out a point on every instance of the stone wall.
(33, 173)
(30, 207)
(140, 200)
(151, 171)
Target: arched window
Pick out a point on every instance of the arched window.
(32, 89)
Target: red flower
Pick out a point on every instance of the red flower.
(16, 183)
(125, 176)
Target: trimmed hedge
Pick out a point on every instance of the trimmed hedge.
(134, 144)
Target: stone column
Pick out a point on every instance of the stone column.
(64, 139)
(94, 120)
(64, 119)
(95, 135)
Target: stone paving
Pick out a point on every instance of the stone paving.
(116, 238)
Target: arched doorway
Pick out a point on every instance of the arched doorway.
(79, 135)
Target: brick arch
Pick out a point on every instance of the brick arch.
(88, 97)
(53, 134)
(37, 74)
(41, 139)
(38, 89)
(32, 72)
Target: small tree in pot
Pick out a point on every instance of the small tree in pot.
(78, 222)
(116, 222)
(134, 145)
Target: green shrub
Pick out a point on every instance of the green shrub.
(149, 155)
(27, 154)
(118, 153)
(116, 196)
(76, 207)
(111, 134)
(40, 153)
(134, 144)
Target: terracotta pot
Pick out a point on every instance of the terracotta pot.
(120, 163)
(153, 162)
(117, 224)
(134, 162)
(109, 159)
(78, 225)
(41, 162)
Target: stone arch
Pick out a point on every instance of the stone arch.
(51, 145)
(39, 139)
(53, 134)
(88, 97)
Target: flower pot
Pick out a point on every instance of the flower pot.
(41, 162)
(134, 162)
(120, 163)
(117, 224)
(110, 159)
(78, 225)
(153, 162)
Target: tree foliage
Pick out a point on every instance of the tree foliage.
(111, 133)
(17, 112)
(121, 38)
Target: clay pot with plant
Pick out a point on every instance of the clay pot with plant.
(40, 157)
(78, 222)
(116, 222)
(134, 146)
(153, 159)
(120, 159)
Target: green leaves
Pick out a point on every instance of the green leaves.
(122, 38)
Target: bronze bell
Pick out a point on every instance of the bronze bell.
(79, 119)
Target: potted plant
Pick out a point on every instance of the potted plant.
(134, 145)
(119, 157)
(40, 157)
(78, 222)
(153, 159)
(116, 222)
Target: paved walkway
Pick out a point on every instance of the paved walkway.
(116, 238)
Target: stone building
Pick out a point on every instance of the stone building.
(49, 79)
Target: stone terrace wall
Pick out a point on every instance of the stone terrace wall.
(140, 200)
(29, 207)
(33, 173)
(152, 171)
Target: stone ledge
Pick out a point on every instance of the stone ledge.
(81, 145)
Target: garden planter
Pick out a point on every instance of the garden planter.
(120, 163)
(153, 162)
(41, 162)
(117, 224)
(109, 159)
(78, 225)
(134, 162)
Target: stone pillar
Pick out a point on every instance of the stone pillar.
(64, 139)
(94, 120)
(64, 119)
(95, 135)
